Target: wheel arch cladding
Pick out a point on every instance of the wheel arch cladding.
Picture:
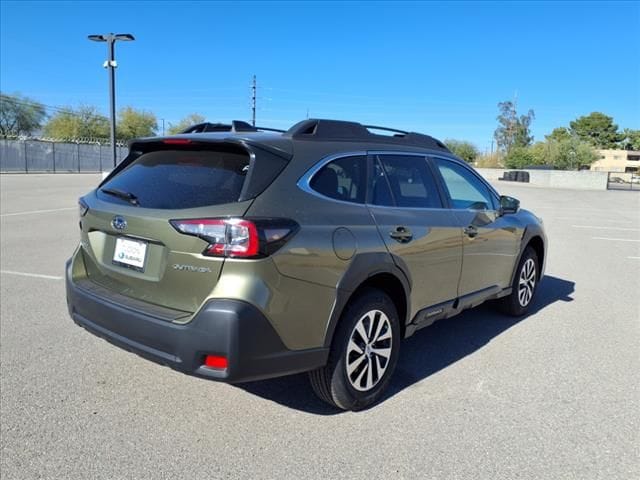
(392, 286)
(538, 246)
(361, 275)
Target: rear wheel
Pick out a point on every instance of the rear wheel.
(363, 354)
(523, 287)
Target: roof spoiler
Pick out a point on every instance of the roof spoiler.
(236, 126)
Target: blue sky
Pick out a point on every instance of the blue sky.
(438, 68)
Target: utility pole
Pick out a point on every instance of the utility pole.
(253, 102)
(163, 127)
(514, 128)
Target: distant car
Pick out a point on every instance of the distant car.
(240, 254)
(635, 178)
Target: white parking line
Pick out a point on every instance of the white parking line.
(634, 258)
(600, 220)
(607, 228)
(35, 275)
(617, 239)
(562, 210)
(32, 212)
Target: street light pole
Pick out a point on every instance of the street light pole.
(111, 65)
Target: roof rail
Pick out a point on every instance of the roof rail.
(320, 129)
(236, 126)
(385, 129)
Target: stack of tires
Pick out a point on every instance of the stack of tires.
(516, 176)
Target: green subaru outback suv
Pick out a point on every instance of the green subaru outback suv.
(236, 254)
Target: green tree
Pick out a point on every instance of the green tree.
(463, 149)
(559, 134)
(513, 130)
(519, 157)
(541, 153)
(597, 129)
(567, 154)
(186, 122)
(572, 154)
(85, 122)
(135, 123)
(19, 115)
(631, 140)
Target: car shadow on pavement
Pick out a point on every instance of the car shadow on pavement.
(425, 353)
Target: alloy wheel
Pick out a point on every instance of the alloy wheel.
(527, 282)
(369, 350)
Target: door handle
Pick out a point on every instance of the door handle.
(401, 234)
(471, 231)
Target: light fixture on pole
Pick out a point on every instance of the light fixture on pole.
(111, 65)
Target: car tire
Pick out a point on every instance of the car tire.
(363, 354)
(524, 285)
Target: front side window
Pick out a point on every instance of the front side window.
(465, 189)
(343, 179)
(404, 181)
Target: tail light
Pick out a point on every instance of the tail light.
(238, 237)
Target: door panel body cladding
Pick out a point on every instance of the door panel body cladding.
(429, 315)
(451, 308)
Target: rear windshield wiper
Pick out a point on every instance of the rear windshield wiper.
(129, 197)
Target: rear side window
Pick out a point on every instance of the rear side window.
(404, 181)
(176, 179)
(343, 179)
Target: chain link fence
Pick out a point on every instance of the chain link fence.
(37, 156)
(623, 181)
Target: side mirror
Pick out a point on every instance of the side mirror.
(509, 205)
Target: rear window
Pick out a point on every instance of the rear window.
(175, 179)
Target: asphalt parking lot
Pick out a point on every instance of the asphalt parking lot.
(553, 395)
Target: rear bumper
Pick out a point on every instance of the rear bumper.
(230, 328)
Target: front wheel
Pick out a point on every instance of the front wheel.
(363, 355)
(524, 285)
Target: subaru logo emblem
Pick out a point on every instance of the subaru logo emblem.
(119, 223)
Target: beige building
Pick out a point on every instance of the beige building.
(617, 161)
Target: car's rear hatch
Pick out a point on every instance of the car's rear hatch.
(129, 245)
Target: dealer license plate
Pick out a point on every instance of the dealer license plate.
(130, 253)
